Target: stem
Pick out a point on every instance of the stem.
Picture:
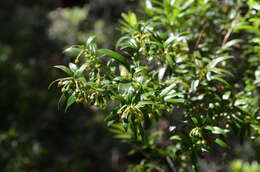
(169, 161)
(200, 36)
(232, 26)
(159, 169)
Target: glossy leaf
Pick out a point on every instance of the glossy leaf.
(118, 57)
(72, 51)
(71, 100)
(65, 69)
(221, 143)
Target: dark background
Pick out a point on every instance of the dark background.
(34, 134)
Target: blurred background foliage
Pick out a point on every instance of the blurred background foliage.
(34, 134)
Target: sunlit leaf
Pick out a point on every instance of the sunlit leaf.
(217, 60)
(65, 69)
(72, 51)
(221, 143)
(175, 138)
(118, 57)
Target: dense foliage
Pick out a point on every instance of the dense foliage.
(192, 64)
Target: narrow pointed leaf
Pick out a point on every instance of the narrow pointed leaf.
(118, 57)
(72, 51)
(70, 101)
(73, 67)
(221, 143)
(175, 100)
(194, 85)
(175, 138)
(81, 70)
(215, 77)
(65, 69)
(53, 82)
(217, 60)
(111, 117)
(62, 101)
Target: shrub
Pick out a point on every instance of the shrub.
(182, 79)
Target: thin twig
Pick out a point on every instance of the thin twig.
(200, 36)
(232, 26)
(159, 169)
(169, 161)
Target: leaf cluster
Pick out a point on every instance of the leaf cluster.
(176, 63)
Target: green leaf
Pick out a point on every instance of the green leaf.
(217, 130)
(148, 4)
(125, 88)
(215, 77)
(143, 103)
(130, 18)
(166, 90)
(118, 57)
(175, 138)
(254, 4)
(226, 95)
(111, 117)
(161, 73)
(194, 120)
(175, 100)
(81, 70)
(240, 102)
(220, 71)
(73, 67)
(257, 76)
(123, 72)
(194, 85)
(221, 143)
(231, 43)
(214, 62)
(53, 82)
(169, 60)
(65, 69)
(70, 101)
(90, 40)
(72, 51)
(248, 28)
(170, 40)
(62, 101)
